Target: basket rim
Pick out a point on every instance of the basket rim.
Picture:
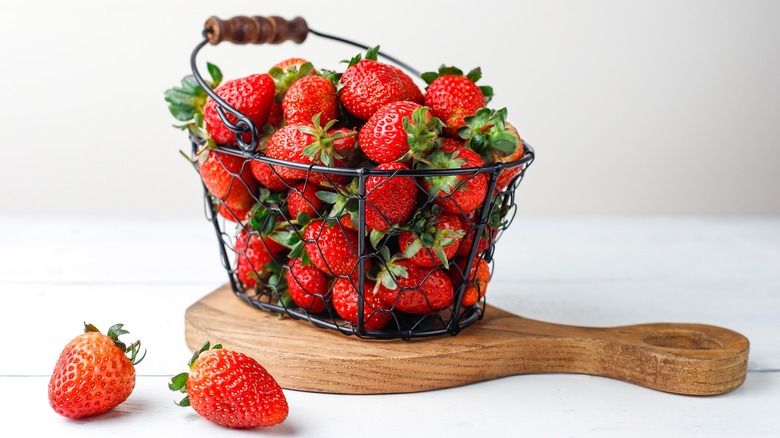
(528, 157)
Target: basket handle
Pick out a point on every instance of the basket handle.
(255, 30)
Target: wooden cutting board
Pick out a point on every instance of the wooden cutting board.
(691, 359)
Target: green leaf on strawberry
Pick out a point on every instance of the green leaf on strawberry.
(186, 101)
(390, 271)
(371, 54)
(445, 183)
(485, 133)
(422, 134)
(323, 148)
(284, 78)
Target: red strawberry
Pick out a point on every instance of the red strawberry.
(390, 199)
(398, 131)
(231, 389)
(348, 222)
(462, 193)
(433, 239)
(489, 134)
(253, 254)
(412, 288)
(93, 374)
(477, 280)
(310, 145)
(275, 115)
(308, 97)
(331, 147)
(251, 96)
(269, 179)
(308, 286)
(376, 313)
(303, 199)
(368, 84)
(469, 224)
(332, 249)
(292, 64)
(285, 74)
(228, 178)
(233, 215)
(453, 96)
(288, 143)
(508, 175)
(411, 90)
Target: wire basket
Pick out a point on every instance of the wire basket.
(347, 224)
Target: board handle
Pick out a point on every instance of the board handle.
(692, 359)
(255, 30)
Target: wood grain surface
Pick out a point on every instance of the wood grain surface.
(692, 359)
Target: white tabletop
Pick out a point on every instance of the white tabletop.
(56, 273)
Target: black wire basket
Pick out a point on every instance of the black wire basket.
(362, 252)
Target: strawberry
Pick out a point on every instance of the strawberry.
(411, 90)
(390, 200)
(285, 73)
(237, 215)
(308, 97)
(93, 373)
(231, 389)
(310, 145)
(275, 115)
(293, 65)
(269, 178)
(461, 193)
(500, 210)
(451, 96)
(331, 248)
(252, 96)
(254, 256)
(468, 223)
(412, 288)
(303, 199)
(399, 131)
(489, 134)
(508, 175)
(308, 286)
(433, 238)
(287, 144)
(477, 280)
(331, 147)
(376, 313)
(229, 179)
(367, 85)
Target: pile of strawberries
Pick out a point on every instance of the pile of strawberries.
(296, 229)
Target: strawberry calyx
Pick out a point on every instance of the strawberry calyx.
(445, 183)
(344, 201)
(264, 217)
(113, 333)
(179, 382)
(473, 75)
(430, 236)
(323, 149)
(186, 101)
(284, 78)
(371, 54)
(422, 134)
(485, 133)
(389, 271)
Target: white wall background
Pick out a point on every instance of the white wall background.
(634, 107)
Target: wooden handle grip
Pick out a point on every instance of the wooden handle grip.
(693, 359)
(256, 30)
